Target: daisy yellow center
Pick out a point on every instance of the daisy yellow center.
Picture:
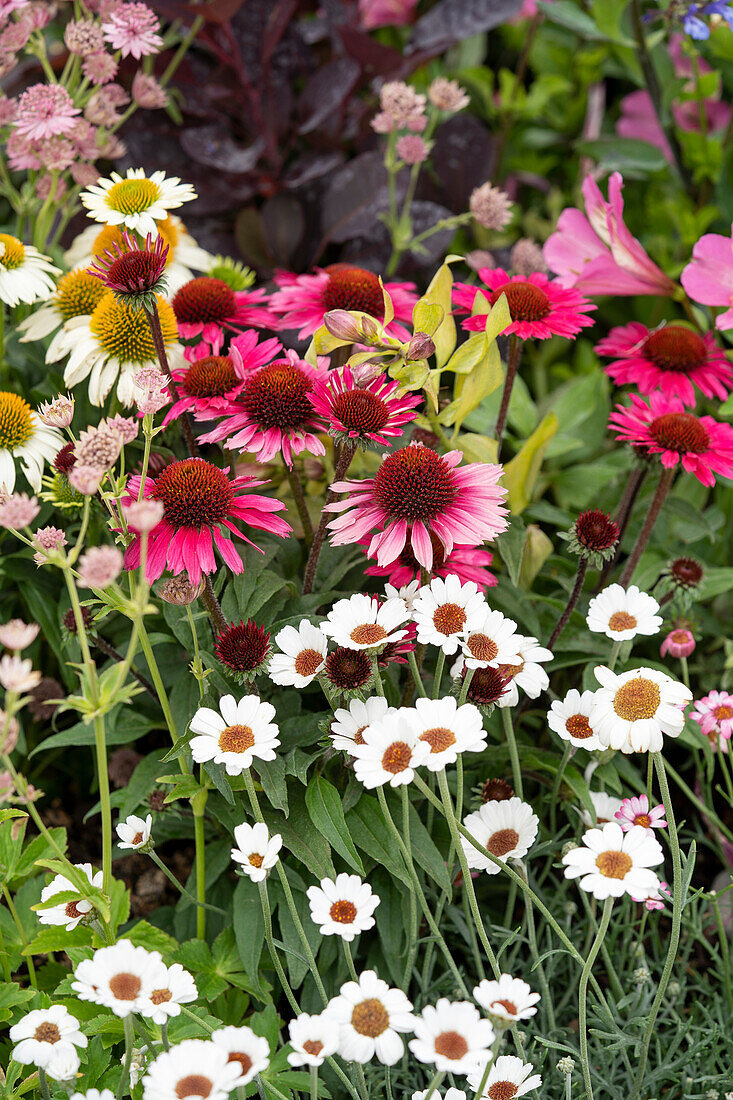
(125, 986)
(308, 662)
(132, 196)
(313, 1047)
(370, 1018)
(510, 671)
(614, 864)
(77, 294)
(482, 647)
(723, 712)
(439, 738)
(637, 699)
(368, 634)
(452, 1045)
(16, 421)
(578, 726)
(14, 252)
(47, 1033)
(449, 618)
(502, 1090)
(343, 912)
(256, 860)
(123, 332)
(161, 996)
(621, 620)
(397, 757)
(195, 1084)
(244, 1060)
(509, 1007)
(236, 739)
(643, 819)
(502, 841)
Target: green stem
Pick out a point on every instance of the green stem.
(181, 889)
(296, 488)
(466, 685)
(378, 685)
(583, 996)
(412, 662)
(160, 689)
(534, 950)
(414, 926)
(129, 1040)
(432, 1088)
(349, 960)
(198, 668)
(23, 938)
(506, 721)
(314, 1082)
(438, 673)
(105, 805)
(198, 805)
(706, 811)
(43, 1082)
(724, 951)
(512, 366)
(615, 650)
(279, 970)
(164, 1035)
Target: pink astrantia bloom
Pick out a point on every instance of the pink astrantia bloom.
(539, 307)
(671, 358)
(302, 300)
(678, 643)
(714, 715)
(132, 29)
(595, 252)
(374, 412)
(708, 278)
(44, 111)
(417, 493)
(385, 13)
(467, 563)
(635, 811)
(202, 506)
(702, 445)
(208, 307)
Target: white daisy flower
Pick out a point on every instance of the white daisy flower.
(342, 907)
(611, 862)
(26, 440)
(390, 750)
(194, 1068)
(313, 1039)
(622, 613)
(605, 805)
(451, 1094)
(349, 725)
(570, 719)
(134, 833)
(256, 850)
(119, 977)
(93, 1094)
(452, 1036)
(64, 1066)
(506, 829)
(68, 913)
(361, 622)
(25, 273)
(369, 1016)
(632, 711)
(446, 611)
(508, 1077)
(44, 1033)
(303, 655)
(449, 730)
(492, 642)
(250, 1053)
(507, 999)
(408, 594)
(235, 734)
(172, 986)
(137, 201)
(529, 675)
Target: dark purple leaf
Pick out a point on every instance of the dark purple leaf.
(355, 198)
(312, 166)
(458, 172)
(277, 24)
(283, 222)
(371, 54)
(325, 91)
(425, 215)
(213, 146)
(249, 233)
(451, 21)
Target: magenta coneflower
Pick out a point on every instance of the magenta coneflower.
(702, 445)
(671, 358)
(416, 493)
(206, 307)
(45, 111)
(302, 300)
(368, 413)
(539, 307)
(133, 270)
(209, 382)
(272, 414)
(466, 562)
(199, 501)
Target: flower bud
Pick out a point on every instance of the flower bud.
(180, 591)
(57, 413)
(421, 346)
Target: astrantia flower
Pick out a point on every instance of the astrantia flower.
(18, 675)
(362, 622)
(117, 977)
(243, 648)
(209, 382)
(236, 734)
(207, 306)
(678, 643)
(390, 750)
(452, 1036)
(622, 613)
(136, 200)
(414, 493)
(349, 725)
(570, 719)
(199, 500)
(44, 111)
(636, 811)
(313, 1039)
(172, 986)
(449, 729)
(529, 675)
(24, 439)
(193, 1068)
(132, 29)
(302, 300)
(446, 610)
(256, 851)
(508, 1077)
(633, 711)
(507, 830)
(68, 913)
(672, 358)
(371, 413)
(25, 274)
(369, 1016)
(342, 907)
(17, 635)
(611, 862)
(605, 808)
(507, 999)
(18, 510)
(45, 1033)
(134, 833)
(492, 642)
(539, 307)
(303, 655)
(714, 714)
(468, 563)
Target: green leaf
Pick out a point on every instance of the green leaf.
(371, 834)
(440, 292)
(249, 932)
(274, 785)
(326, 813)
(54, 938)
(520, 475)
(511, 548)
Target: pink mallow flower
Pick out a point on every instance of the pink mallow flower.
(635, 811)
(44, 111)
(595, 252)
(678, 643)
(208, 307)
(132, 29)
(638, 119)
(539, 307)
(714, 715)
(385, 13)
(708, 278)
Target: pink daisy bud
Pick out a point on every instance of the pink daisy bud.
(680, 643)
(127, 426)
(635, 811)
(144, 515)
(99, 567)
(657, 900)
(16, 634)
(343, 326)
(179, 591)
(57, 413)
(86, 479)
(18, 510)
(382, 123)
(83, 36)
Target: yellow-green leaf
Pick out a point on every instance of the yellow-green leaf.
(440, 292)
(472, 388)
(537, 549)
(520, 475)
(468, 355)
(477, 448)
(427, 317)
(388, 305)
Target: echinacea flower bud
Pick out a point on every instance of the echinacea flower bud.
(678, 643)
(685, 572)
(179, 591)
(134, 272)
(594, 537)
(496, 790)
(490, 206)
(421, 346)
(57, 413)
(99, 567)
(342, 325)
(244, 649)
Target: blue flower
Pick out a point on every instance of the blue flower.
(720, 7)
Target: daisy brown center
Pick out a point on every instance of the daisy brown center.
(508, 1006)
(308, 662)
(679, 637)
(449, 618)
(414, 484)
(73, 911)
(723, 712)
(77, 294)
(194, 493)
(348, 669)
(16, 421)
(368, 634)
(502, 1090)
(343, 912)
(621, 620)
(138, 838)
(210, 377)
(313, 1046)
(275, 397)
(439, 738)
(482, 647)
(361, 411)
(675, 347)
(204, 300)
(355, 289)
(496, 790)
(452, 1045)
(578, 726)
(502, 841)
(236, 739)
(358, 739)
(13, 251)
(125, 986)
(397, 757)
(681, 432)
(193, 1085)
(370, 1018)
(256, 860)
(122, 332)
(614, 864)
(47, 1033)
(525, 300)
(510, 671)
(244, 1060)
(161, 996)
(132, 196)
(637, 699)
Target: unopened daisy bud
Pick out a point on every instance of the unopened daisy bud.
(99, 567)
(244, 648)
(144, 515)
(565, 1065)
(641, 976)
(593, 537)
(86, 479)
(447, 95)
(526, 258)
(179, 591)
(18, 675)
(9, 730)
(685, 573)
(382, 123)
(18, 510)
(496, 790)
(57, 413)
(16, 634)
(135, 834)
(421, 346)
(490, 206)
(678, 643)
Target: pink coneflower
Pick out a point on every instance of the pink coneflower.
(672, 358)
(416, 493)
(363, 413)
(132, 29)
(302, 300)
(540, 307)
(702, 445)
(200, 500)
(636, 811)
(44, 111)
(206, 307)
(210, 382)
(466, 562)
(678, 643)
(272, 413)
(714, 715)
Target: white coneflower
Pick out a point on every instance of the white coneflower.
(606, 807)
(44, 1033)
(390, 750)
(361, 622)
(26, 440)
(529, 675)
(342, 907)
(632, 711)
(507, 999)
(349, 725)
(611, 862)
(137, 201)
(235, 734)
(256, 851)
(570, 719)
(452, 1036)
(250, 1053)
(509, 1077)
(119, 977)
(446, 610)
(303, 655)
(172, 986)
(25, 274)
(134, 833)
(68, 913)
(622, 613)
(506, 829)
(313, 1039)
(369, 1016)
(449, 730)
(491, 642)
(194, 1068)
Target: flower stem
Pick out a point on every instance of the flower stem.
(279, 970)
(583, 996)
(623, 512)
(23, 938)
(296, 488)
(466, 685)
(512, 366)
(438, 673)
(415, 671)
(43, 1082)
(615, 650)
(314, 1082)
(414, 927)
(129, 1041)
(506, 721)
(663, 487)
(156, 332)
(213, 606)
(570, 605)
(181, 889)
(432, 1089)
(349, 960)
(105, 805)
(198, 804)
(347, 453)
